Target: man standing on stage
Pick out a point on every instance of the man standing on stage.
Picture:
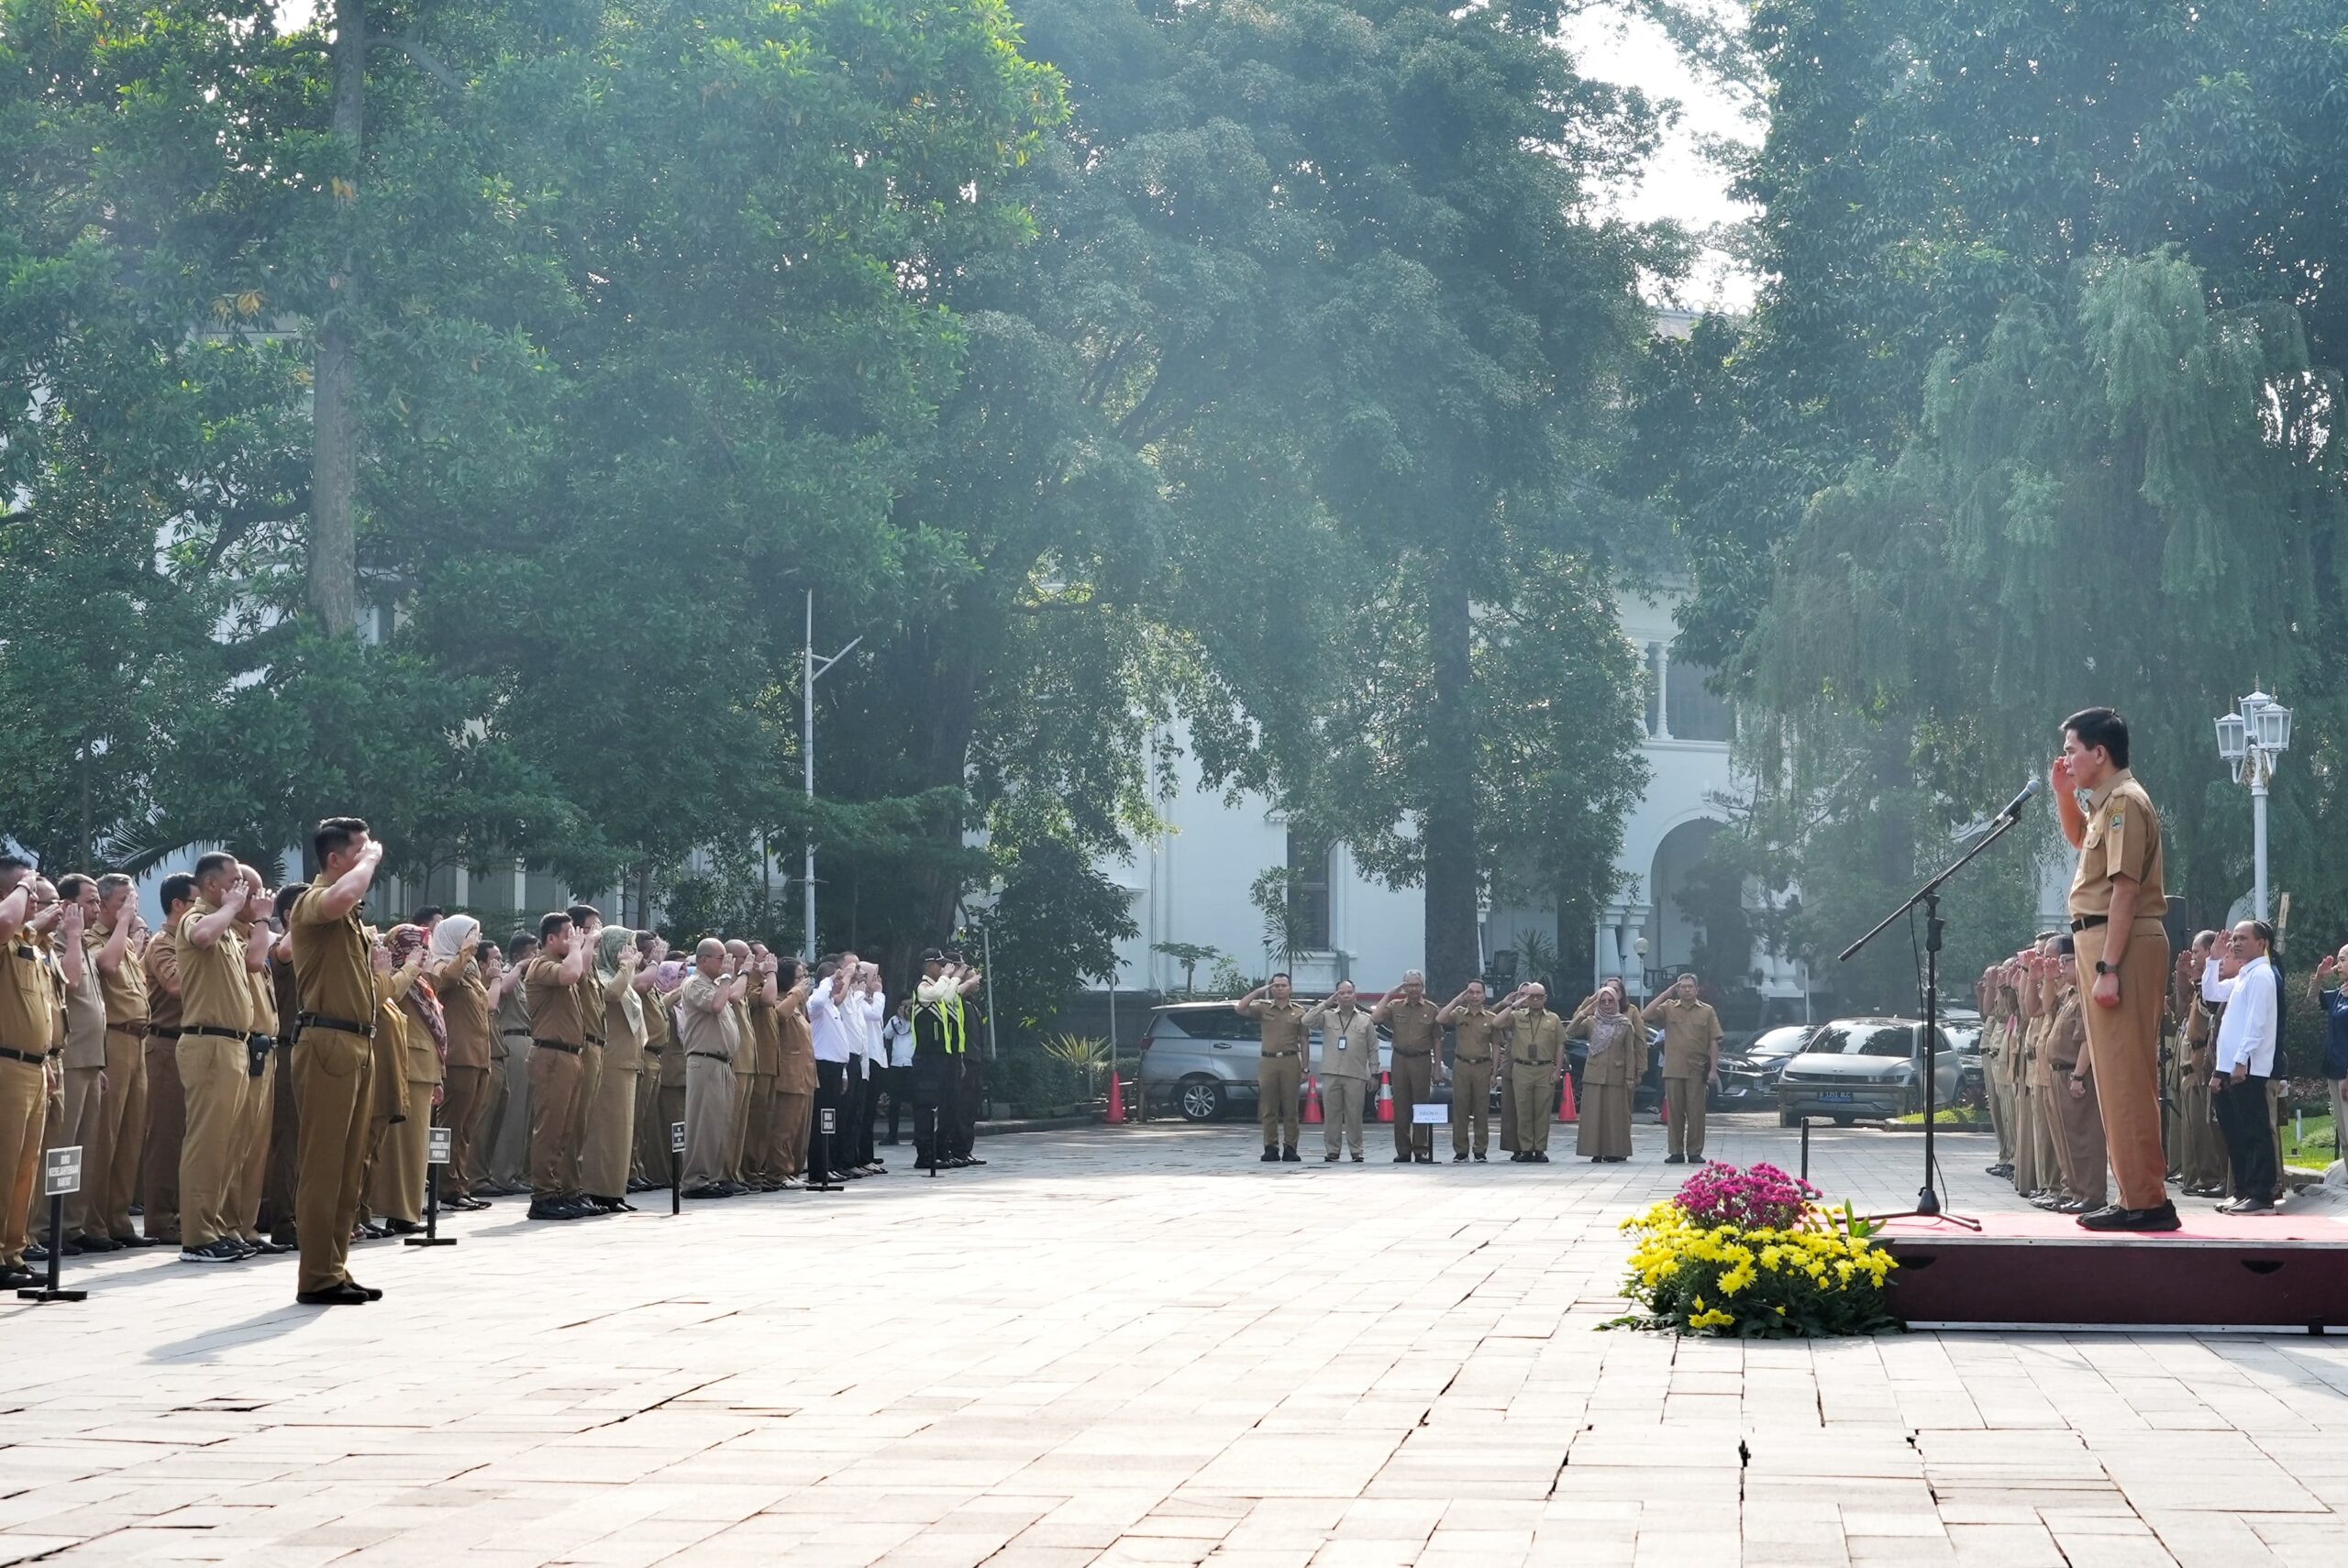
(2116, 903)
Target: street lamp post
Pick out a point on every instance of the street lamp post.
(813, 668)
(2250, 740)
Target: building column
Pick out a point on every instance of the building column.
(521, 891)
(1663, 690)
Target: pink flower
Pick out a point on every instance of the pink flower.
(1761, 1198)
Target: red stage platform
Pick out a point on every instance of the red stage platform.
(2282, 1272)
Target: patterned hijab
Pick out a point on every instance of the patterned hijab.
(421, 1000)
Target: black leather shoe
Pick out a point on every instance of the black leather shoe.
(15, 1279)
(555, 1208)
(700, 1192)
(403, 1227)
(2163, 1217)
(35, 1253)
(1290, 1157)
(1480, 1156)
(1401, 1159)
(1271, 1156)
(95, 1244)
(130, 1242)
(1330, 1158)
(343, 1295)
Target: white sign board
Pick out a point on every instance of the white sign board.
(1429, 1113)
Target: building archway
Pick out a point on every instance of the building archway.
(1672, 934)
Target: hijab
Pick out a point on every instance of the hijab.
(613, 941)
(449, 938)
(421, 1000)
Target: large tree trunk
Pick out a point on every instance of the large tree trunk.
(1450, 810)
(334, 452)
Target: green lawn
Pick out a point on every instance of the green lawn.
(1962, 1116)
(2315, 1152)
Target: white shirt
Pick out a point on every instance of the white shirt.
(897, 1034)
(2246, 1032)
(830, 1023)
(876, 1008)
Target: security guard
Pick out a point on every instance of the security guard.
(333, 1057)
(1470, 1023)
(940, 1039)
(2117, 901)
(1691, 1065)
(1280, 1077)
(1410, 1019)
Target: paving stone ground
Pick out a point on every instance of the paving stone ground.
(1126, 1348)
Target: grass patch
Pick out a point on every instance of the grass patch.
(2315, 1149)
(1959, 1116)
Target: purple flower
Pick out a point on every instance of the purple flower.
(1761, 1198)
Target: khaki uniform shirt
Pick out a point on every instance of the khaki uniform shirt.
(213, 990)
(794, 1048)
(1691, 1031)
(513, 1017)
(623, 1035)
(1348, 1043)
(766, 1036)
(332, 974)
(2066, 1037)
(2122, 839)
(707, 1034)
(662, 1057)
(161, 961)
(464, 1003)
(388, 1050)
(85, 1012)
(554, 1004)
(591, 994)
(1471, 1035)
(1414, 1027)
(262, 985)
(27, 997)
(1537, 1039)
(125, 989)
(1283, 1026)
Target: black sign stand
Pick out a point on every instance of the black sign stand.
(61, 1173)
(676, 1167)
(436, 1157)
(826, 1120)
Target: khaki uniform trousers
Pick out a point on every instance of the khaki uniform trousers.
(582, 1107)
(2080, 1145)
(395, 1186)
(649, 1162)
(489, 1126)
(1471, 1105)
(793, 1115)
(463, 1091)
(1999, 1090)
(2123, 1042)
(334, 1075)
(610, 1134)
(1683, 1100)
(1413, 1080)
(1342, 1101)
(1533, 1100)
(745, 1098)
(158, 1171)
(24, 1107)
(1280, 1078)
(760, 1159)
(112, 1162)
(248, 1161)
(508, 1152)
(711, 1088)
(556, 1076)
(1508, 1105)
(282, 1172)
(77, 1123)
(2026, 1175)
(212, 1084)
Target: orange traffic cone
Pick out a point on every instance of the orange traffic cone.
(1312, 1102)
(1116, 1101)
(1385, 1096)
(1567, 1109)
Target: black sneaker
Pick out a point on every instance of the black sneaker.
(221, 1250)
(1480, 1156)
(1330, 1158)
(1458, 1157)
(1358, 1157)
(1271, 1155)
(1401, 1159)
(1290, 1157)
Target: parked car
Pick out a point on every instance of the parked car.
(1201, 1060)
(1869, 1067)
(1749, 1074)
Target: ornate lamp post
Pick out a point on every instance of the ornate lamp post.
(2250, 740)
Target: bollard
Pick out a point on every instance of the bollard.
(437, 1155)
(1805, 1148)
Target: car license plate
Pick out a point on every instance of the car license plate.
(1837, 1097)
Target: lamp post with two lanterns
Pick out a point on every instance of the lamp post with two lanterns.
(2250, 740)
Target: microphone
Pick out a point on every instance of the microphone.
(2014, 806)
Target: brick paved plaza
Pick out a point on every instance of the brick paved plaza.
(1130, 1347)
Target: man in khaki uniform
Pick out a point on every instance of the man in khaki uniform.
(2078, 1126)
(248, 1167)
(111, 1164)
(215, 1023)
(334, 977)
(158, 1178)
(83, 1060)
(2203, 1160)
(1410, 1017)
(2117, 901)
(557, 1071)
(794, 1079)
(1280, 1073)
(759, 1166)
(1472, 1054)
(711, 1037)
(1348, 1069)
(1692, 1065)
(587, 924)
(1536, 1060)
(1990, 998)
(28, 1004)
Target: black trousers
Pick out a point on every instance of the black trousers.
(966, 1095)
(897, 1083)
(934, 1075)
(826, 1156)
(2242, 1111)
(867, 1106)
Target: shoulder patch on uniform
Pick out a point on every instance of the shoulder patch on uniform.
(2120, 818)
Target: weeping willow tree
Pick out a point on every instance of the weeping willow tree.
(2126, 495)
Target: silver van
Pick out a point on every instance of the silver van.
(1198, 1060)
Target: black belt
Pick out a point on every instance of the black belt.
(2062, 1067)
(36, 1057)
(341, 1025)
(558, 1045)
(1472, 1060)
(136, 1030)
(2088, 922)
(512, 1034)
(1279, 1054)
(162, 1031)
(186, 1030)
(709, 1055)
(1414, 1055)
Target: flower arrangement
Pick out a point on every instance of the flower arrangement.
(1751, 1253)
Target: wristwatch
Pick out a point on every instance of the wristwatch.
(2103, 969)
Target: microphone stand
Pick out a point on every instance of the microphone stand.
(1928, 1197)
